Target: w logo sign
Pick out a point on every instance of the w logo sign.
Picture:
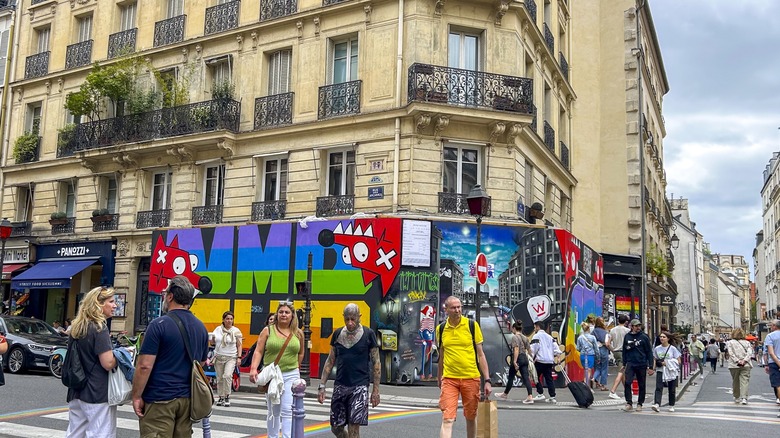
(539, 307)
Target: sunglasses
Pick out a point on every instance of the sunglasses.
(285, 303)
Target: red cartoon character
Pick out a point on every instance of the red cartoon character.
(169, 261)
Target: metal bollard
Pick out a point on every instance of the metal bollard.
(298, 411)
(206, 425)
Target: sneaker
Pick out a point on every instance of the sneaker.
(501, 396)
(671, 409)
(777, 402)
(528, 401)
(227, 403)
(744, 401)
(552, 400)
(736, 400)
(702, 375)
(638, 408)
(221, 402)
(539, 397)
(613, 395)
(627, 408)
(655, 407)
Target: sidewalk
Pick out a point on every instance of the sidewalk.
(427, 396)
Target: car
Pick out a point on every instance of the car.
(30, 342)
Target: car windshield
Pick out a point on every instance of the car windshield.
(30, 327)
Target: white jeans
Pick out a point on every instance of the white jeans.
(91, 420)
(280, 416)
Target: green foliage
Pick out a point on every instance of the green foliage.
(656, 262)
(25, 147)
(683, 330)
(100, 212)
(59, 215)
(223, 90)
(65, 134)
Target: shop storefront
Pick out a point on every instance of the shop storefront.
(16, 259)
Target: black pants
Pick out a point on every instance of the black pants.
(523, 375)
(659, 389)
(545, 370)
(713, 362)
(640, 372)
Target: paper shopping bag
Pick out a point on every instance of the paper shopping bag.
(487, 419)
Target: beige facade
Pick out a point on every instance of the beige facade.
(738, 270)
(336, 98)
(769, 272)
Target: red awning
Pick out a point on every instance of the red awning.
(11, 267)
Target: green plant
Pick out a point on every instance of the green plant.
(66, 133)
(656, 262)
(59, 215)
(224, 90)
(100, 212)
(25, 147)
(203, 116)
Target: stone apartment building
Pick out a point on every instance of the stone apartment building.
(738, 271)
(767, 261)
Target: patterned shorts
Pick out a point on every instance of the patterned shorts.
(349, 405)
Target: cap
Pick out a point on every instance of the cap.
(636, 322)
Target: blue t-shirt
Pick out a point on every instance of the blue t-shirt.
(773, 339)
(172, 371)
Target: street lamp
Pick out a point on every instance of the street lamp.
(479, 205)
(631, 281)
(675, 241)
(5, 233)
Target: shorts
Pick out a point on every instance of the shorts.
(349, 405)
(618, 355)
(587, 360)
(774, 375)
(467, 389)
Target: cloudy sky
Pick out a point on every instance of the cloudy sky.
(723, 111)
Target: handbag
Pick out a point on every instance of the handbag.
(263, 389)
(119, 389)
(487, 419)
(201, 395)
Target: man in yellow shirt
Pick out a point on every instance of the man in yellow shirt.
(458, 371)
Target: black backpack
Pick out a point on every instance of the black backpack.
(74, 376)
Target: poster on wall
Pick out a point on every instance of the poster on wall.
(416, 244)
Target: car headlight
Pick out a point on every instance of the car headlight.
(41, 348)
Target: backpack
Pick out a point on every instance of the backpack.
(440, 332)
(74, 376)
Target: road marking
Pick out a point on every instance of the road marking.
(24, 431)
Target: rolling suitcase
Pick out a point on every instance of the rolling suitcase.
(582, 394)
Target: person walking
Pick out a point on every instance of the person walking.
(88, 411)
(739, 364)
(638, 356)
(352, 349)
(543, 352)
(697, 353)
(723, 351)
(667, 368)
(713, 352)
(615, 345)
(602, 355)
(521, 351)
(772, 346)
(586, 345)
(161, 384)
(227, 350)
(282, 339)
(462, 365)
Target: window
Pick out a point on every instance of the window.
(214, 191)
(68, 198)
(24, 203)
(275, 179)
(5, 32)
(127, 16)
(279, 72)
(529, 183)
(345, 61)
(461, 169)
(109, 194)
(43, 39)
(463, 50)
(175, 8)
(341, 173)
(33, 122)
(72, 119)
(161, 190)
(85, 29)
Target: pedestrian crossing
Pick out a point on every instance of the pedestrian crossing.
(754, 412)
(244, 418)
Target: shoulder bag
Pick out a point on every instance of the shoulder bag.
(201, 395)
(262, 389)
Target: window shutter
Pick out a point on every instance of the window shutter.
(3, 54)
(329, 63)
(284, 71)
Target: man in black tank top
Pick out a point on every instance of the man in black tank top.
(355, 353)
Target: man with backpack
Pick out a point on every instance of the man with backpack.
(462, 364)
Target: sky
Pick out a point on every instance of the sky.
(722, 112)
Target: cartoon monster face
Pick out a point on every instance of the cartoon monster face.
(170, 261)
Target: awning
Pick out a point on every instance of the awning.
(10, 268)
(51, 274)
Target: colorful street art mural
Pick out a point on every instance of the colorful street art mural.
(398, 270)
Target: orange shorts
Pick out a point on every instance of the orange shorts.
(467, 389)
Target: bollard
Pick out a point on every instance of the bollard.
(635, 387)
(206, 425)
(298, 411)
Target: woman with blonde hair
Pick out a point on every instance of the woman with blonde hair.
(89, 412)
(227, 350)
(586, 345)
(739, 364)
(282, 339)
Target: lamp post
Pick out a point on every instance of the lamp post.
(5, 233)
(479, 205)
(631, 281)
(304, 289)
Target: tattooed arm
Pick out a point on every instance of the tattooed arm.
(377, 376)
(329, 363)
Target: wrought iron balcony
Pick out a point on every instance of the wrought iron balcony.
(454, 86)
(270, 9)
(109, 222)
(122, 43)
(31, 155)
(169, 31)
(565, 155)
(65, 227)
(211, 115)
(153, 219)
(339, 99)
(564, 65)
(273, 110)
(207, 214)
(222, 17)
(530, 5)
(36, 65)
(549, 40)
(331, 2)
(78, 55)
(335, 205)
(549, 137)
(21, 229)
(268, 210)
(454, 203)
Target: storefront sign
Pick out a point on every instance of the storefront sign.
(667, 300)
(16, 255)
(73, 251)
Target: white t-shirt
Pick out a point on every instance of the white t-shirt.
(616, 336)
(228, 347)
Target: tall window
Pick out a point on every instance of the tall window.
(85, 29)
(275, 179)
(127, 16)
(68, 198)
(175, 8)
(461, 169)
(43, 39)
(214, 191)
(463, 50)
(345, 61)
(24, 203)
(33, 122)
(161, 190)
(109, 194)
(5, 32)
(341, 173)
(220, 73)
(279, 72)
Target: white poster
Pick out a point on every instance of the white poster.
(416, 244)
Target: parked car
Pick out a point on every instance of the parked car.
(30, 342)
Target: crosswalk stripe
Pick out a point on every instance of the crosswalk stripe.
(24, 431)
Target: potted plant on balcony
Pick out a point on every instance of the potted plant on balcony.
(58, 218)
(657, 266)
(26, 147)
(101, 215)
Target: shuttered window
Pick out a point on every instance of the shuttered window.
(85, 28)
(43, 39)
(279, 72)
(127, 17)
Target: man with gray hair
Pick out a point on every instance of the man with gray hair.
(772, 344)
(352, 348)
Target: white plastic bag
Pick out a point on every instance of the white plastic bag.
(119, 389)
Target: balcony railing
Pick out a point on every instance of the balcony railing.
(30, 155)
(270, 9)
(78, 55)
(331, 2)
(530, 5)
(268, 210)
(21, 229)
(169, 31)
(454, 86)
(66, 227)
(211, 115)
(335, 205)
(565, 155)
(339, 99)
(36, 65)
(106, 225)
(273, 110)
(122, 43)
(549, 137)
(454, 203)
(549, 40)
(153, 219)
(564, 65)
(207, 214)
(222, 17)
